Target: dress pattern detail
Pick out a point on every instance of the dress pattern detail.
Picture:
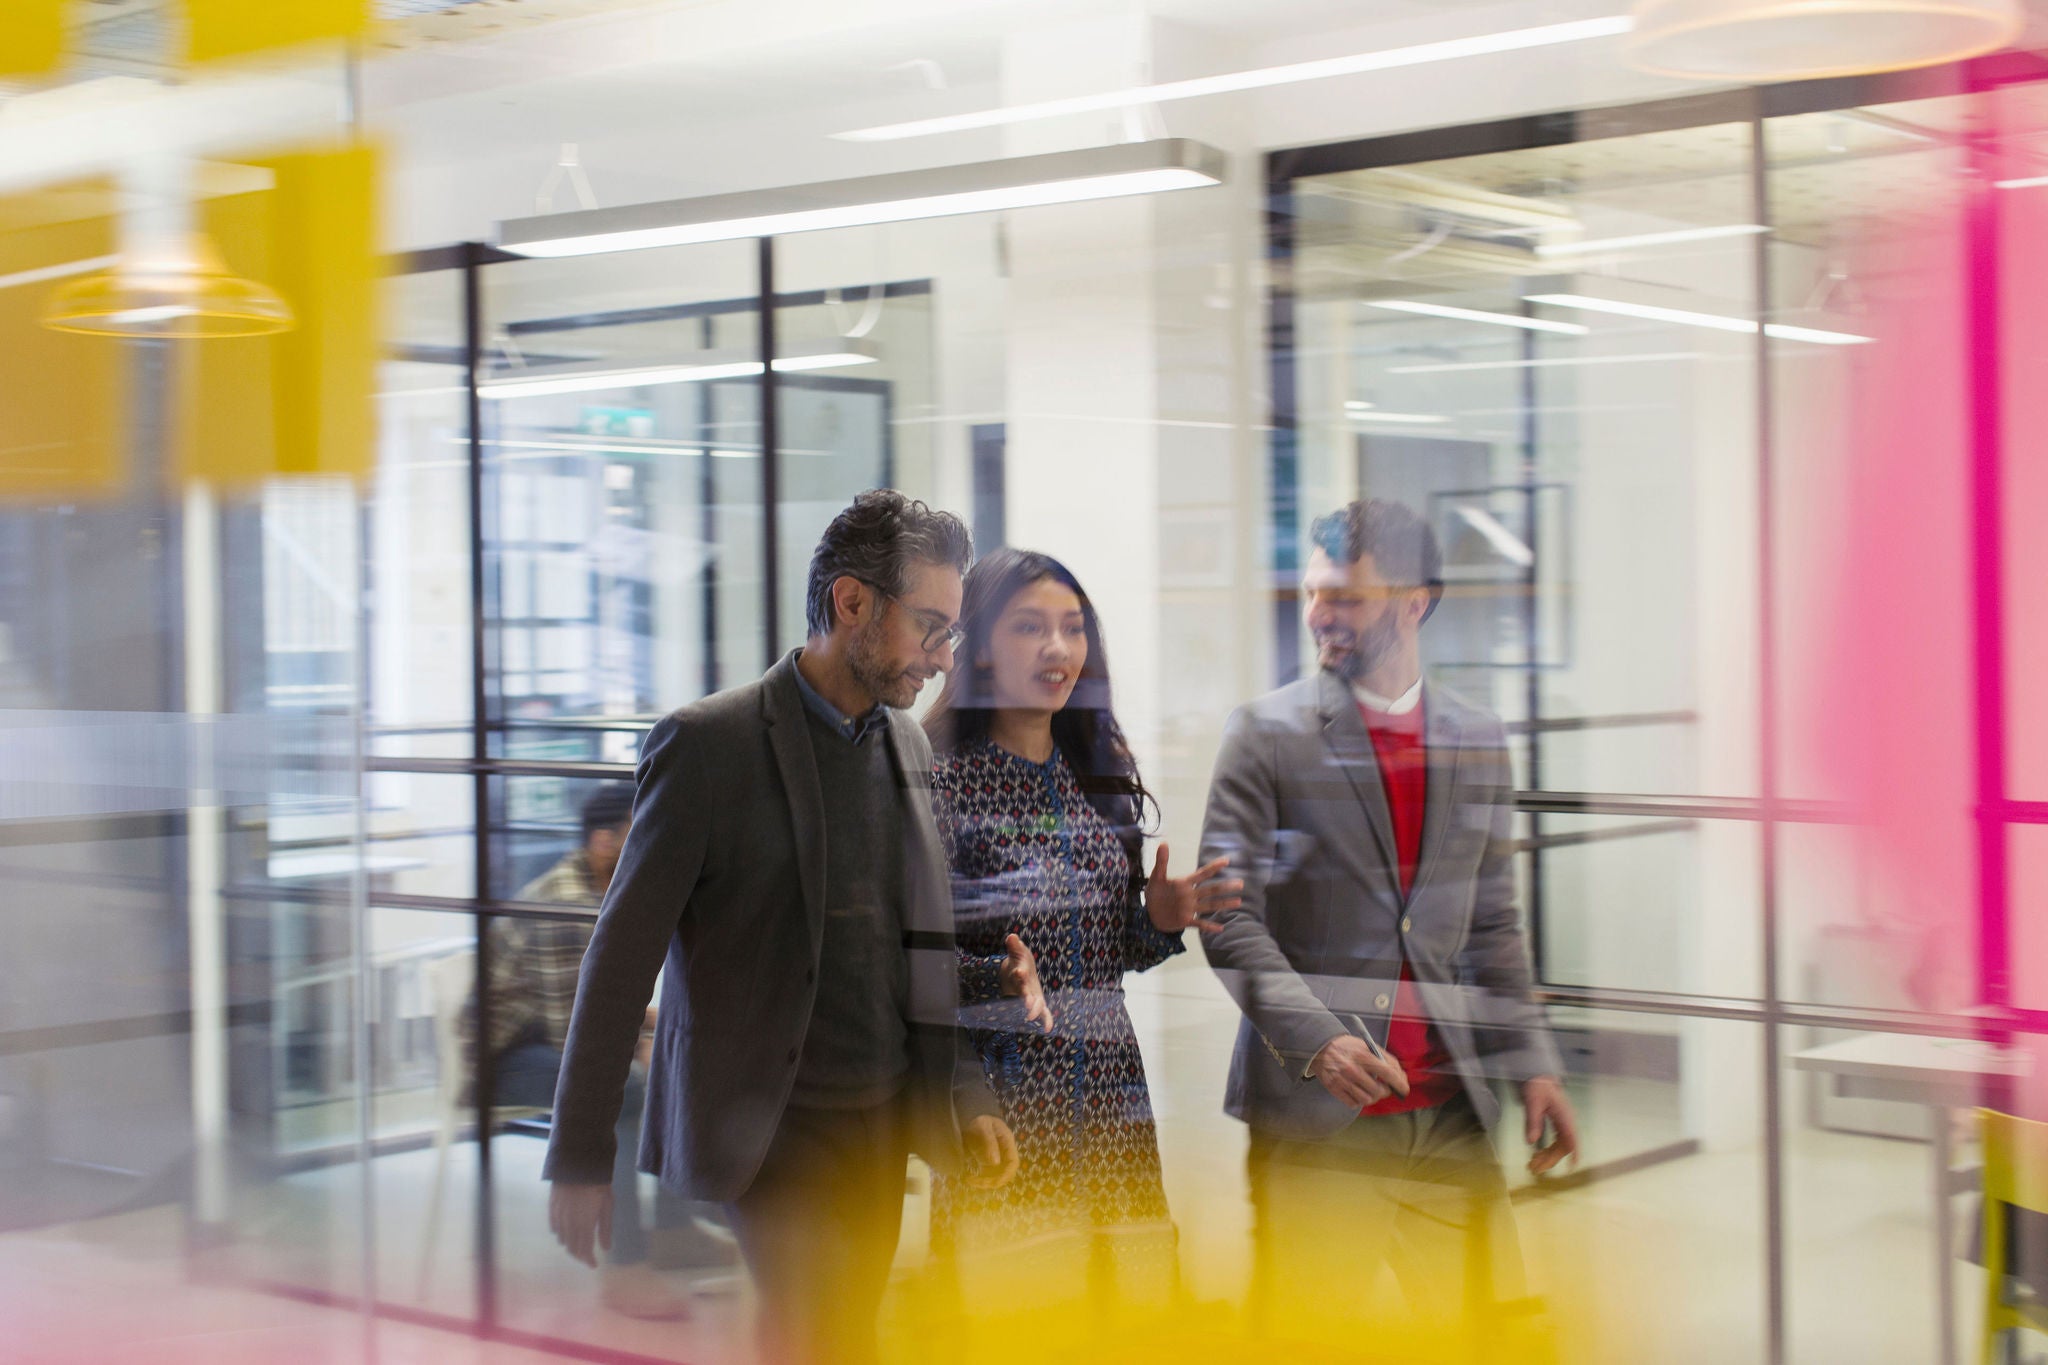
(1030, 856)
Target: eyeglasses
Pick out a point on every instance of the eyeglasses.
(937, 630)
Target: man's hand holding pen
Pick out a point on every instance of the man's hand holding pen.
(1356, 1071)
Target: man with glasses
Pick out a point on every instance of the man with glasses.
(784, 860)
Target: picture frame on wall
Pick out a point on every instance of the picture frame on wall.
(1506, 548)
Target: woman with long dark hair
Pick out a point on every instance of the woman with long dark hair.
(1042, 810)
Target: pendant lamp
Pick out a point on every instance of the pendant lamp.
(170, 281)
(1760, 41)
(181, 295)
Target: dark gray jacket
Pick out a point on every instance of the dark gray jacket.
(724, 872)
(1298, 805)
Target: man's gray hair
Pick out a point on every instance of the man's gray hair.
(877, 540)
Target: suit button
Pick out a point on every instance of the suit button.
(1407, 924)
(1380, 1002)
(811, 976)
(792, 1056)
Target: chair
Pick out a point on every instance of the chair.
(452, 980)
(2015, 1177)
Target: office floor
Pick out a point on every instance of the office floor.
(117, 1291)
(1663, 1263)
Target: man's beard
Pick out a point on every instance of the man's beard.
(887, 684)
(1367, 651)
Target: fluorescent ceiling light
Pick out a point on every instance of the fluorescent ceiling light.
(1421, 54)
(1438, 310)
(588, 377)
(2024, 183)
(157, 312)
(1129, 168)
(1407, 418)
(58, 272)
(601, 446)
(1542, 364)
(1702, 234)
(1715, 321)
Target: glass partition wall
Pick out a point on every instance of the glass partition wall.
(386, 706)
(573, 529)
(1710, 403)
(1622, 360)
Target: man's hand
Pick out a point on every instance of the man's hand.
(1019, 975)
(1544, 1099)
(1355, 1073)
(992, 1146)
(581, 1215)
(1174, 903)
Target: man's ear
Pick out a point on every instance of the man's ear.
(852, 600)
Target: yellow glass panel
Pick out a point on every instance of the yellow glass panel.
(234, 28)
(299, 402)
(31, 36)
(63, 409)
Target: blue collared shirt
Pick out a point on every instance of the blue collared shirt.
(854, 728)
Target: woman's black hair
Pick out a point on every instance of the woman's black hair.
(1085, 730)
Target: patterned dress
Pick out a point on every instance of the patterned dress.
(1031, 856)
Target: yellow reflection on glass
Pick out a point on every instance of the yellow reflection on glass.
(299, 401)
(63, 408)
(234, 28)
(31, 36)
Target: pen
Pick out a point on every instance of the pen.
(1365, 1033)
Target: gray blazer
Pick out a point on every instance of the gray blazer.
(724, 872)
(1298, 805)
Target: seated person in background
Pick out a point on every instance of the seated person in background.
(533, 966)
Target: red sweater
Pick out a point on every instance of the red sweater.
(1404, 770)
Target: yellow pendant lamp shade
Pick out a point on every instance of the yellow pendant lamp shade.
(187, 295)
(1758, 41)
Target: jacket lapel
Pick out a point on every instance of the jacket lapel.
(927, 896)
(1344, 731)
(929, 899)
(783, 707)
(1442, 739)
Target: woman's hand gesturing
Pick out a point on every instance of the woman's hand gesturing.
(1019, 975)
(1174, 903)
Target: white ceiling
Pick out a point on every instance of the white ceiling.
(686, 65)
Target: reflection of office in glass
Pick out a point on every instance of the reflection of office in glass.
(1619, 394)
(1664, 375)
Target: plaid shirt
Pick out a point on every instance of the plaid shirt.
(534, 963)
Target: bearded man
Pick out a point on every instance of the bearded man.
(1378, 957)
(784, 864)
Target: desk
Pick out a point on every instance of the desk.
(1943, 1074)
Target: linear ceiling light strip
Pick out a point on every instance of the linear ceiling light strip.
(980, 187)
(540, 380)
(1438, 310)
(1549, 362)
(1717, 322)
